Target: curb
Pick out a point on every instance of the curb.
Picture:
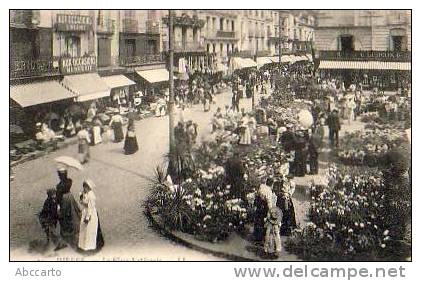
(173, 237)
(38, 154)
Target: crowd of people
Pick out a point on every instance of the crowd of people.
(272, 90)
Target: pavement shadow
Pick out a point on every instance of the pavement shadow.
(38, 246)
(123, 169)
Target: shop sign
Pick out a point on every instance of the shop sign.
(367, 55)
(77, 65)
(73, 22)
(34, 67)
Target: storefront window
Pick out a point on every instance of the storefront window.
(347, 43)
(72, 44)
(398, 40)
(398, 43)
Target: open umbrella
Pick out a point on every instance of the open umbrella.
(305, 118)
(69, 162)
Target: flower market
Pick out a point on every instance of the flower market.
(257, 178)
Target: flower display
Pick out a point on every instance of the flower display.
(369, 147)
(347, 217)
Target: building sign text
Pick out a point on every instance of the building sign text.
(77, 65)
(73, 22)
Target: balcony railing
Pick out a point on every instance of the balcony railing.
(105, 26)
(130, 26)
(263, 53)
(24, 18)
(225, 34)
(152, 27)
(141, 60)
(243, 54)
(21, 68)
(186, 20)
(185, 47)
(366, 55)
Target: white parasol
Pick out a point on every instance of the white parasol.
(69, 162)
(305, 118)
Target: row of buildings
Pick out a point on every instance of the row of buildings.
(371, 47)
(136, 37)
(61, 56)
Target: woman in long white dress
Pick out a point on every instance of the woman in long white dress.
(90, 235)
(83, 147)
(245, 135)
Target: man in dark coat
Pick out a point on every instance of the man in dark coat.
(313, 153)
(69, 212)
(334, 124)
(300, 160)
(288, 142)
(235, 171)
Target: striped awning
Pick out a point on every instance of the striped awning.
(261, 61)
(117, 81)
(154, 75)
(368, 65)
(247, 62)
(240, 63)
(88, 86)
(39, 92)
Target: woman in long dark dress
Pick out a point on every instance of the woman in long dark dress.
(130, 144)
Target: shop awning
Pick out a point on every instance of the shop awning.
(87, 86)
(39, 92)
(301, 58)
(117, 81)
(154, 75)
(261, 61)
(220, 67)
(309, 57)
(275, 59)
(368, 65)
(247, 62)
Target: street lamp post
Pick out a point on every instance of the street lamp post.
(280, 39)
(171, 164)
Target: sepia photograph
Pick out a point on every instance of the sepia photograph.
(210, 135)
